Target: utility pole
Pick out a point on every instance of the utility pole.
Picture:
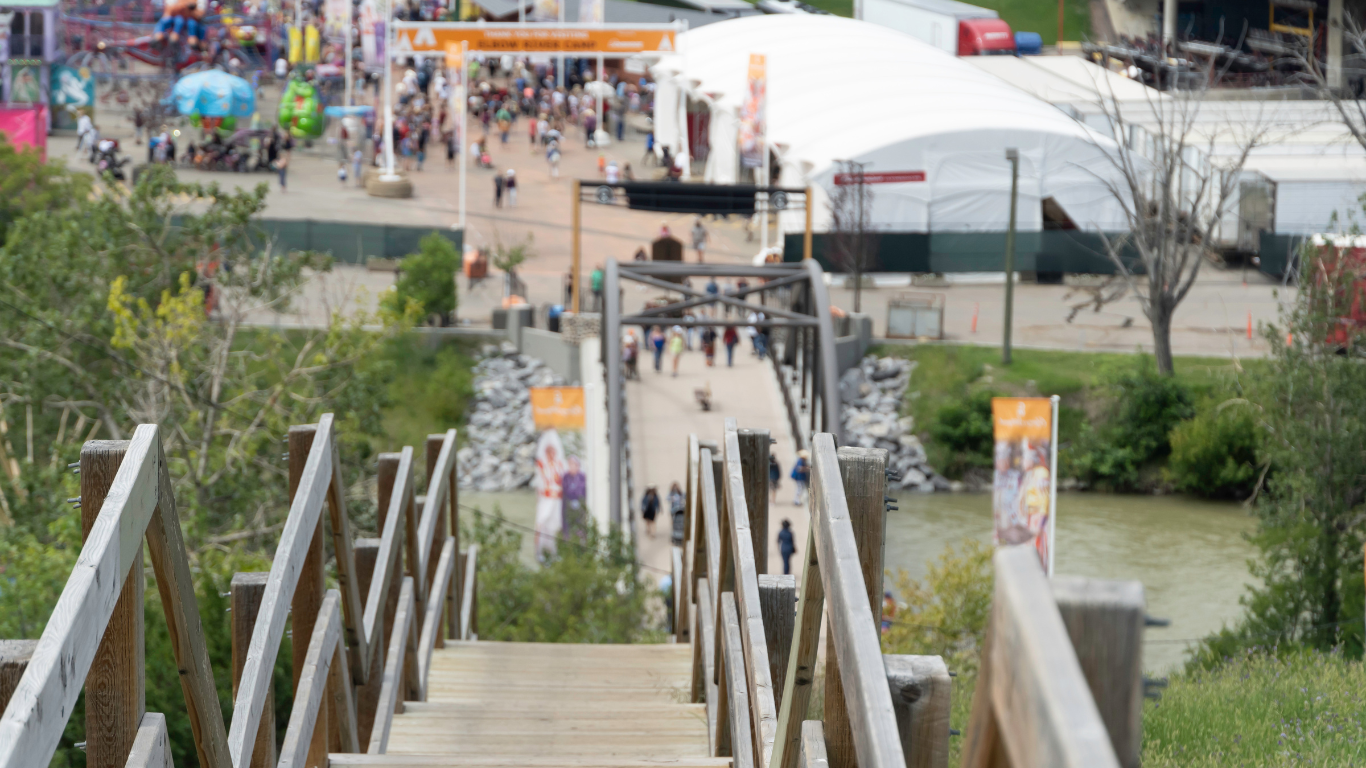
(1013, 155)
(860, 233)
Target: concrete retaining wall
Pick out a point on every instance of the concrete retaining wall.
(550, 348)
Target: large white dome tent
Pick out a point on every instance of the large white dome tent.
(841, 89)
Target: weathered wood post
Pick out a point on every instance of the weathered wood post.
(439, 537)
(14, 658)
(754, 445)
(1104, 619)
(367, 694)
(921, 690)
(247, 591)
(778, 605)
(308, 594)
(863, 472)
(115, 687)
(388, 477)
(811, 752)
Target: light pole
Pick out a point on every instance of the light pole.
(1013, 155)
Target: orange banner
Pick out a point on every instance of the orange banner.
(557, 407)
(520, 38)
(1016, 418)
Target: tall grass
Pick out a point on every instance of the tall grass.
(1305, 708)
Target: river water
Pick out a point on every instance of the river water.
(1190, 555)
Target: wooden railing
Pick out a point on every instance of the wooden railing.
(355, 661)
(1053, 651)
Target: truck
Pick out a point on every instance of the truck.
(959, 28)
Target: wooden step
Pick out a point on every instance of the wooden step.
(447, 761)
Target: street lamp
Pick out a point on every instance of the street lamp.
(1012, 155)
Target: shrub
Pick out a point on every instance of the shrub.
(962, 430)
(427, 277)
(1215, 453)
(1144, 406)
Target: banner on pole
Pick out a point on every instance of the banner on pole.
(753, 113)
(434, 37)
(337, 14)
(591, 12)
(372, 32)
(561, 467)
(545, 10)
(1022, 492)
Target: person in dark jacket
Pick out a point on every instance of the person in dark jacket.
(649, 509)
(786, 546)
(775, 476)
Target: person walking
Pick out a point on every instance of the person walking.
(356, 158)
(657, 344)
(676, 347)
(649, 509)
(498, 182)
(775, 477)
(699, 239)
(552, 157)
(730, 339)
(282, 167)
(676, 512)
(801, 473)
(512, 187)
(709, 345)
(595, 284)
(786, 546)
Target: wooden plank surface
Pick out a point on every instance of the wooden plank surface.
(308, 697)
(524, 761)
(756, 670)
(353, 612)
(304, 513)
(115, 687)
(855, 635)
(921, 696)
(732, 651)
(42, 702)
(811, 752)
(431, 618)
(1104, 620)
(1042, 701)
(246, 592)
(171, 564)
(151, 746)
(863, 474)
(391, 692)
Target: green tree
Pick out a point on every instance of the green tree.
(1312, 401)
(1143, 406)
(28, 184)
(589, 591)
(1214, 454)
(427, 278)
(964, 428)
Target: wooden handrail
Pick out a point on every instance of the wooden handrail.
(438, 486)
(322, 648)
(390, 548)
(151, 747)
(391, 692)
(139, 503)
(431, 617)
(758, 678)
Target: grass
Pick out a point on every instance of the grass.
(1305, 709)
(947, 373)
(1021, 15)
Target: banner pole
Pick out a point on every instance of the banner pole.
(1053, 488)
(463, 148)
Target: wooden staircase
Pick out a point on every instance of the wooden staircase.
(545, 705)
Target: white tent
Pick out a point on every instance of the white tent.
(840, 89)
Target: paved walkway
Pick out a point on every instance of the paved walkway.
(663, 412)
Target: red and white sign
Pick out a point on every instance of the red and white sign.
(884, 177)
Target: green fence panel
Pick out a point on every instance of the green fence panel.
(1278, 253)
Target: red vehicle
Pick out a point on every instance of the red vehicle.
(985, 37)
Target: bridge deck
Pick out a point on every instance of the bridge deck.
(537, 705)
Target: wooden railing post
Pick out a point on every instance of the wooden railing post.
(863, 471)
(1104, 619)
(921, 689)
(247, 590)
(778, 605)
(811, 753)
(367, 694)
(388, 477)
(308, 594)
(801, 660)
(115, 687)
(14, 658)
(439, 539)
(754, 445)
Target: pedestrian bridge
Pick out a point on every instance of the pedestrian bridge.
(389, 669)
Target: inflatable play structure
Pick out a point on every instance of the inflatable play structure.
(301, 110)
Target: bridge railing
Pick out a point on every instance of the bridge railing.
(1060, 682)
(355, 660)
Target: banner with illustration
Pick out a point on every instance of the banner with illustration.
(561, 467)
(591, 12)
(753, 113)
(73, 93)
(1025, 458)
(371, 25)
(336, 15)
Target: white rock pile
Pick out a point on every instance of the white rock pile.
(501, 447)
(872, 392)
